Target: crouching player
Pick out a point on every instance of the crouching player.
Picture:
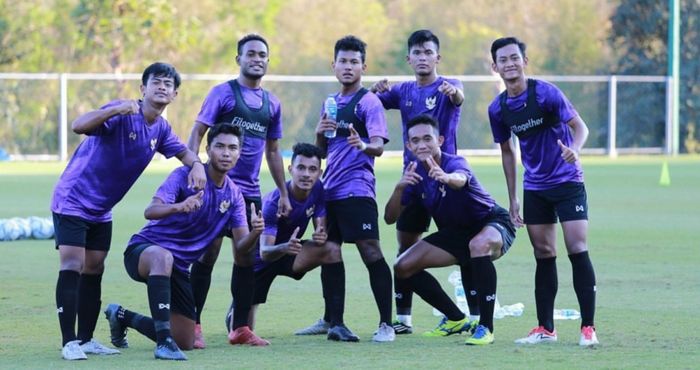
(282, 251)
(182, 224)
(472, 230)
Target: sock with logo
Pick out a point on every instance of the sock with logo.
(546, 286)
(380, 281)
(484, 275)
(200, 278)
(584, 285)
(89, 291)
(403, 296)
(469, 289)
(142, 324)
(67, 302)
(159, 301)
(242, 290)
(333, 284)
(428, 288)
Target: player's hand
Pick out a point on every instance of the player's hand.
(380, 86)
(410, 177)
(197, 178)
(436, 172)
(294, 243)
(514, 211)
(257, 223)
(568, 154)
(354, 139)
(284, 206)
(319, 236)
(325, 124)
(447, 89)
(192, 203)
(128, 107)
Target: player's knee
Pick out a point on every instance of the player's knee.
(72, 264)
(159, 260)
(483, 246)
(402, 270)
(333, 254)
(212, 254)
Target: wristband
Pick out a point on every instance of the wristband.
(363, 146)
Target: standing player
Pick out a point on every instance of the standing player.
(349, 184)
(472, 230)
(183, 222)
(282, 251)
(442, 99)
(543, 119)
(122, 138)
(244, 103)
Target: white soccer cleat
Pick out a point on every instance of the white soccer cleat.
(94, 347)
(385, 333)
(72, 351)
(588, 337)
(538, 335)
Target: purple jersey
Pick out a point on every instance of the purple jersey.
(187, 235)
(107, 163)
(222, 100)
(450, 208)
(540, 153)
(414, 100)
(350, 172)
(302, 211)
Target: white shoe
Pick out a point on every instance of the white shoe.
(94, 347)
(385, 333)
(72, 351)
(588, 337)
(538, 335)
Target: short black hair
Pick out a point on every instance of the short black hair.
(505, 41)
(420, 37)
(423, 119)
(224, 128)
(350, 43)
(307, 150)
(160, 69)
(251, 37)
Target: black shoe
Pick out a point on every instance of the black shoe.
(169, 351)
(401, 328)
(117, 330)
(342, 333)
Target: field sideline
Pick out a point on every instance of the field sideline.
(643, 242)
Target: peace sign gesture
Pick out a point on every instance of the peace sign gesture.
(436, 172)
(294, 243)
(410, 177)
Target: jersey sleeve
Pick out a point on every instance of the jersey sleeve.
(237, 213)
(500, 131)
(391, 98)
(556, 101)
(108, 126)
(171, 190)
(169, 144)
(373, 114)
(269, 212)
(274, 131)
(211, 107)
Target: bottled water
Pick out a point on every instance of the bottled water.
(566, 314)
(455, 279)
(331, 109)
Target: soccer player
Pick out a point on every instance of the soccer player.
(551, 135)
(122, 138)
(349, 185)
(472, 230)
(183, 222)
(442, 99)
(282, 251)
(244, 103)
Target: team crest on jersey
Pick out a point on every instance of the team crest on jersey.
(132, 135)
(430, 102)
(224, 205)
(442, 190)
(409, 103)
(310, 210)
(153, 143)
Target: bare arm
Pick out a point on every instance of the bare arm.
(571, 153)
(92, 120)
(271, 252)
(393, 207)
(244, 241)
(159, 209)
(273, 155)
(195, 139)
(508, 161)
(197, 178)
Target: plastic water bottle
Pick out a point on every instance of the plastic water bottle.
(566, 314)
(455, 279)
(331, 109)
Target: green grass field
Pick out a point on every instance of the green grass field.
(642, 239)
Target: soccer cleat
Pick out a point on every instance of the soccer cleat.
(538, 335)
(229, 318)
(448, 327)
(482, 335)
(94, 347)
(401, 328)
(319, 327)
(341, 333)
(117, 330)
(72, 351)
(244, 335)
(588, 336)
(385, 333)
(169, 351)
(199, 337)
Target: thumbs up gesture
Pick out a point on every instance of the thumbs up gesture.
(257, 223)
(319, 236)
(294, 243)
(568, 154)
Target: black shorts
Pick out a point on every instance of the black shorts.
(181, 297)
(79, 232)
(265, 276)
(568, 201)
(456, 241)
(413, 219)
(258, 207)
(352, 219)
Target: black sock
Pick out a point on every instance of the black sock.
(67, 303)
(428, 288)
(333, 282)
(380, 281)
(584, 285)
(546, 285)
(403, 296)
(486, 280)
(89, 291)
(142, 324)
(200, 278)
(159, 301)
(469, 289)
(242, 290)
